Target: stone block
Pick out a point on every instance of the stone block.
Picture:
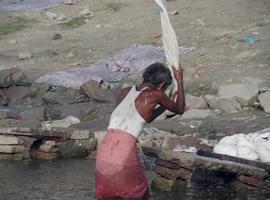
(94, 91)
(16, 93)
(197, 114)
(25, 55)
(78, 134)
(193, 102)
(174, 174)
(162, 184)
(8, 77)
(224, 104)
(11, 148)
(243, 92)
(77, 148)
(40, 155)
(99, 135)
(48, 146)
(252, 181)
(264, 99)
(172, 142)
(9, 140)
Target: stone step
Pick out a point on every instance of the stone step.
(11, 149)
(9, 140)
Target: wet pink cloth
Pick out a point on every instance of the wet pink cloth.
(118, 172)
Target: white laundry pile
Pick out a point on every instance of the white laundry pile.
(131, 60)
(28, 5)
(253, 146)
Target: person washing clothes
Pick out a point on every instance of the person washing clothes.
(118, 173)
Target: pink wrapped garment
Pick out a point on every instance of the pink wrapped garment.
(118, 172)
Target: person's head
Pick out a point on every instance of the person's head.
(158, 75)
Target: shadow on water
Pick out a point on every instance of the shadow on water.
(74, 179)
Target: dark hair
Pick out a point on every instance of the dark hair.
(157, 73)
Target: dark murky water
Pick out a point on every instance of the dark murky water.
(73, 179)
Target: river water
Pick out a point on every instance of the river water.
(68, 179)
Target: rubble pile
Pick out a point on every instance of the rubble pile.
(40, 106)
(55, 142)
(176, 169)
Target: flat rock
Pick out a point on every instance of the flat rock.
(243, 92)
(78, 135)
(193, 102)
(40, 155)
(253, 181)
(68, 2)
(13, 41)
(77, 148)
(4, 101)
(94, 91)
(162, 184)
(173, 174)
(48, 148)
(9, 77)
(151, 139)
(11, 148)
(87, 11)
(171, 142)
(227, 105)
(99, 135)
(16, 93)
(32, 114)
(264, 99)
(50, 113)
(25, 55)
(52, 15)
(9, 140)
(197, 114)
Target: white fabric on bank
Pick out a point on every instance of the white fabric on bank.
(253, 146)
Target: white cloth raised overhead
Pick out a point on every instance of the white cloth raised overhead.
(168, 36)
(125, 117)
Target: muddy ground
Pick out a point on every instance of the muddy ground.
(216, 29)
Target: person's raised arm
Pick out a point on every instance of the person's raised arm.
(177, 107)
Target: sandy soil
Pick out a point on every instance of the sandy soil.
(215, 28)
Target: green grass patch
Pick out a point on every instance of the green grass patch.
(114, 6)
(75, 22)
(14, 24)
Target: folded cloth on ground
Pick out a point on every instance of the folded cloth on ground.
(131, 60)
(28, 5)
